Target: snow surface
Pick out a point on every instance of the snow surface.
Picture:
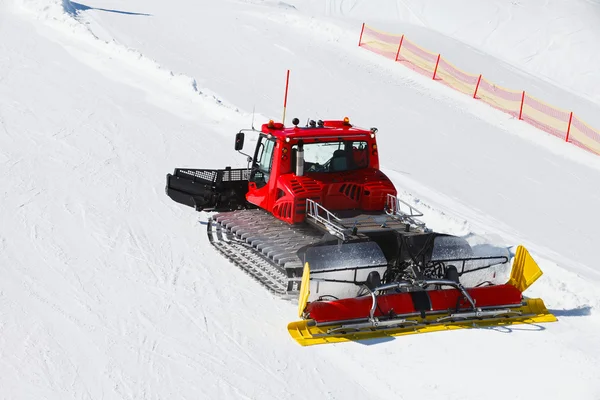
(534, 35)
(109, 289)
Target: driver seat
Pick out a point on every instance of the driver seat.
(339, 161)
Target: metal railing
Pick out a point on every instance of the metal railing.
(402, 211)
(394, 208)
(323, 216)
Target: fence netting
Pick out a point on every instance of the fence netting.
(558, 122)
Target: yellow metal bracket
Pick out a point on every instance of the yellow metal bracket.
(304, 290)
(525, 270)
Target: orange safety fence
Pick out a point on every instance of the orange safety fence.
(560, 123)
(381, 43)
(501, 98)
(457, 79)
(545, 117)
(584, 136)
(417, 57)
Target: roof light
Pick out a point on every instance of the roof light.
(346, 121)
(271, 124)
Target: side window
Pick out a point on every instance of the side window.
(266, 159)
(264, 162)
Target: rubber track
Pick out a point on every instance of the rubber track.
(263, 247)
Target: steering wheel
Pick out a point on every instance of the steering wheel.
(315, 167)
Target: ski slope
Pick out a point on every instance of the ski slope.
(110, 290)
(551, 40)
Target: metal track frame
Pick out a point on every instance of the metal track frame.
(263, 247)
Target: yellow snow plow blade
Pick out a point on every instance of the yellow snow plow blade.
(304, 332)
(532, 311)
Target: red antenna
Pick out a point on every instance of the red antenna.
(287, 81)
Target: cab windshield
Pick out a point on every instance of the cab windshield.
(334, 156)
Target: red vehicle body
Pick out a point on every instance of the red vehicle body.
(350, 180)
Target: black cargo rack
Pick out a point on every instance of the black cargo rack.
(209, 189)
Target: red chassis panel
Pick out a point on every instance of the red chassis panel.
(402, 303)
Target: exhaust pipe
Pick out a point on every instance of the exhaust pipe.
(300, 159)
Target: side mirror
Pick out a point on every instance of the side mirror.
(239, 141)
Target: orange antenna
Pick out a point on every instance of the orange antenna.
(287, 81)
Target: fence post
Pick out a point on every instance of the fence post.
(522, 101)
(436, 65)
(569, 128)
(361, 33)
(399, 47)
(477, 87)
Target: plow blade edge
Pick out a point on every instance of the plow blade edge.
(307, 334)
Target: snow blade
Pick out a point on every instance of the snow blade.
(383, 315)
(307, 334)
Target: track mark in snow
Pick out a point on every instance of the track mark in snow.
(176, 274)
(530, 179)
(143, 256)
(254, 361)
(30, 199)
(198, 356)
(186, 312)
(402, 3)
(4, 128)
(283, 48)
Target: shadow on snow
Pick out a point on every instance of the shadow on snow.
(73, 8)
(582, 311)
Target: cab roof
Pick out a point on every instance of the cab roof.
(324, 129)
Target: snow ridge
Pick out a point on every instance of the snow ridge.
(63, 16)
